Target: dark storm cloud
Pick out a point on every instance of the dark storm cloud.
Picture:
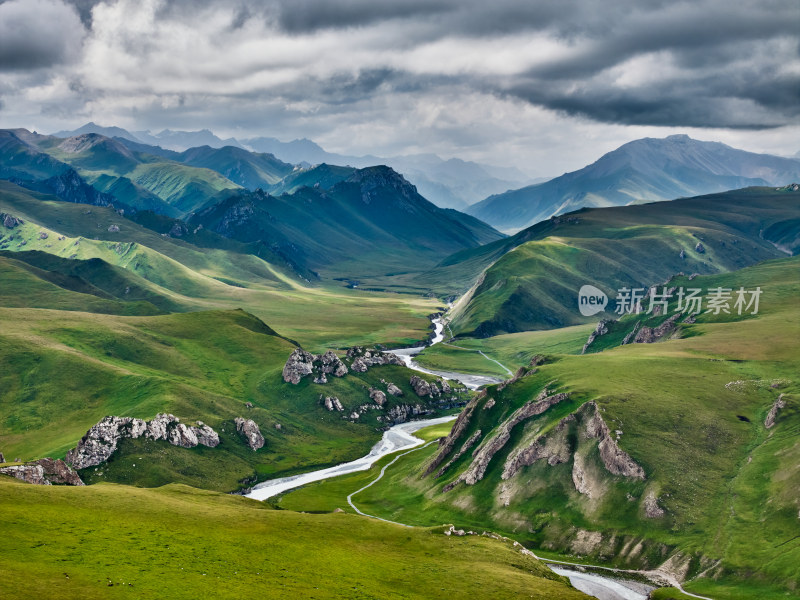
(303, 16)
(722, 67)
(30, 40)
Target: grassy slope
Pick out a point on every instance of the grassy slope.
(728, 485)
(248, 169)
(192, 277)
(97, 158)
(513, 350)
(535, 275)
(372, 224)
(64, 371)
(109, 542)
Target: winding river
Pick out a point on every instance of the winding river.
(407, 355)
(400, 437)
(396, 438)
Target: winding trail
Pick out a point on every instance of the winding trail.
(377, 479)
(651, 575)
(497, 362)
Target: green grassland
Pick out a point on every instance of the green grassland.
(111, 541)
(190, 277)
(532, 279)
(513, 350)
(64, 371)
(692, 411)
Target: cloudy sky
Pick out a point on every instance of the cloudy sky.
(546, 86)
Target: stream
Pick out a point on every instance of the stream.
(407, 355)
(401, 437)
(396, 438)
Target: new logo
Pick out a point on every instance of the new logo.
(591, 300)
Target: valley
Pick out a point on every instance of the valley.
(185, 325)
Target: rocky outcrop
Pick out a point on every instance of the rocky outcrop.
(649, 335)
(394, 390)
(554, 448)
(632, 334)
(651, 508)
(403, 412)
(332, 364)
(699, 248)
(616, 460)
(364, 358)
(579, 478)
(205, 435)
(2, 458)
(489, 404)
(332, 403)
(601, 329)
(471, 441)
(769, 422)
(422, 388)
(249, 430)
(485, 453)
(377, 396)
(299, 364)
(10, 221)
(446, 444)
(100, 442)
(45, 471)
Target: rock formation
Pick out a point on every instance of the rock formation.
(101, 440)
(471, 441)
(616, 460)
(10, 221)
(364, 358)
(249, 430)
(331, 403)
(299, 364)
(393, 389)
(402, 412)
(486, 452)
(422, 388)
(377, 396)
(769, 422)
(554, 447)
(649, 335)
(651, 508)
(446, 444)
(44, 471)
(601, 329)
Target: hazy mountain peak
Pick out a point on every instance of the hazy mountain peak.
(92, 127)
(87, 141)
(647, 169)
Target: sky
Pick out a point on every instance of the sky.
(546, 86)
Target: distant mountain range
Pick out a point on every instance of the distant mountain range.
(452, 183)
(339, 221)
(644, 170)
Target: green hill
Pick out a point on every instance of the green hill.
(136, 176)
(534, 276)
(250, 170)
(372, 223)
(179, 542)
(324, 176)
(715, 499)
